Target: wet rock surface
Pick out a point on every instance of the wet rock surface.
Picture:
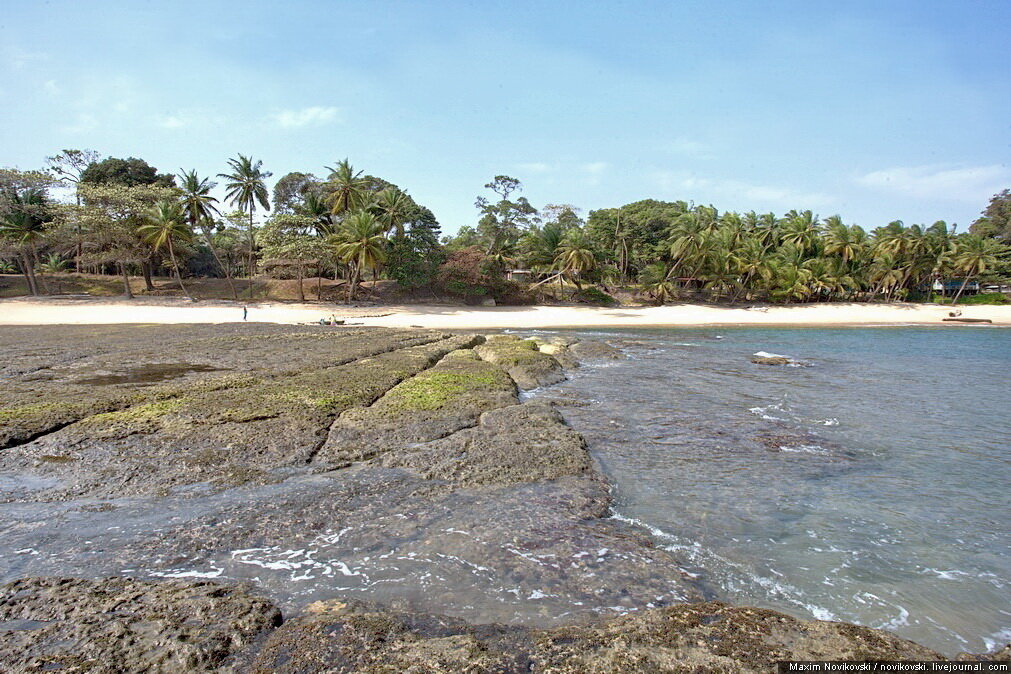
(319, 466)
(124, 625)
(704, 637)
(529, 367)
(770, 360)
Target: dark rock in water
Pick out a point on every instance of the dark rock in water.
(770, 360)
(705, 637)
(124, 625)
(594, 350)
(526, 364)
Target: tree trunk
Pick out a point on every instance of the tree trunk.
(319, 283)
(252, 247)
(175, 267)
(41, 277)
(127, 292)
(148, 283)
(29, 270)
(228, 276)
(301, 290)
(954, 300)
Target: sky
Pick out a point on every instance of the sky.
(875, 111)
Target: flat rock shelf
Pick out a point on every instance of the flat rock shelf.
(254, 498)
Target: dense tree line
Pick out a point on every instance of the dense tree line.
(127, 217)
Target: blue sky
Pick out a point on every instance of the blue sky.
(873, 110)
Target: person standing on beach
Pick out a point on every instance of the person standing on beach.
(245, 312)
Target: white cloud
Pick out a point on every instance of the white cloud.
(51, 87)
(173, 121)
(689, 147)
(973, 184)
(533, 167)
(736, 193)
(311, 116)
(595, 168)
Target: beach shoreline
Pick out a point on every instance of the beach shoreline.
(92, 311)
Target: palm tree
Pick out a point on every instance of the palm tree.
(974, 254)
(394, 208)
(575, 255)
(246, 189)
(198, 208)
(53, 264)
(164, 227)
(314, 206)
(361, 245)
(349, 189)
(23, 222)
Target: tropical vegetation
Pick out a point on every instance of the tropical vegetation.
(124, 217)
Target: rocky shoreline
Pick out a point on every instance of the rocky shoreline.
(169, 492)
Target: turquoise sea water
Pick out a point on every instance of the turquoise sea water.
(867, 483)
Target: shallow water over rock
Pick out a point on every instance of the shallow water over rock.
(869, 486)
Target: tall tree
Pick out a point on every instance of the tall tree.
(291, 190)
(23, 217)
(348, 190)
(361, 245)
(68, 166)
(199, 210)
(291, 241)
(166, 226)
(129, 172)
(394, 208)
(974, 255)
(995, 221)
(576, 255)
(245, 189)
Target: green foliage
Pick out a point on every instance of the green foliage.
(995, 221)
(127, 172)
(596, 296)
(470, 273)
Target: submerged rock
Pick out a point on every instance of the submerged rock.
(595, 350)
(770, 360)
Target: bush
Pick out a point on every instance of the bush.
(596, 296)
(469, 273)
(984, 298)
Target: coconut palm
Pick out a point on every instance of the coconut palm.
(394, 209)
(846, 242)
(53, 264)
(361, 245)
(349, 191)
(245, 189)
(23, 222)
(314, 206)
(164, 227)
(198, 208)
(974, 255)
(575, 255)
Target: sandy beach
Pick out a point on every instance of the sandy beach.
(84, 311)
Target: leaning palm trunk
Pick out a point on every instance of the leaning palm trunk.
(175, 266)
(221, 265)
(29, 270)
(954, 300)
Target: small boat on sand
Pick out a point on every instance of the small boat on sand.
(967, 320)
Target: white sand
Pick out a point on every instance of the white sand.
(57, 311)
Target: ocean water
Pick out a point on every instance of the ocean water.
(868, 481)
